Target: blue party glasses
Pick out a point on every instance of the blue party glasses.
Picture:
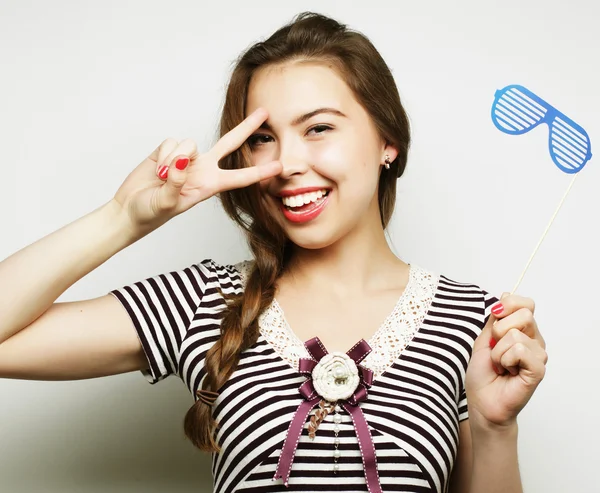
(516, 110)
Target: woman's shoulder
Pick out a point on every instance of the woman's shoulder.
(465, 292)
(226, 273)
(444, 277)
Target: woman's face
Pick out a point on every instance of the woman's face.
(326, 143)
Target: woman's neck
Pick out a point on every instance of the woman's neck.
(361, 261)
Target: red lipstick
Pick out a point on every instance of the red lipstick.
(298, 191)
(311, 212)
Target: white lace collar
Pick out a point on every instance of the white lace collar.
(388, 341)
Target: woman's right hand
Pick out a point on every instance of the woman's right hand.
(157, 190)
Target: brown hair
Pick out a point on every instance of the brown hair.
(311, 37)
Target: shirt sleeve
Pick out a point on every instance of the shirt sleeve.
(488, 301)
(161, 309)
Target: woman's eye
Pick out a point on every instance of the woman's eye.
(258, 139)
(319, 129)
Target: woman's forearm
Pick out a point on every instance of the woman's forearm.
(33, 278)
(495, 464)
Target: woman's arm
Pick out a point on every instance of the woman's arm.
(460, 479)
(34, 277)
(486, 461)
(507, 364)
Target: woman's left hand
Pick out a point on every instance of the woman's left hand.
(508, 363)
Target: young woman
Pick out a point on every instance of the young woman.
(381, 375)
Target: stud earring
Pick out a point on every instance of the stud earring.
(387, 162)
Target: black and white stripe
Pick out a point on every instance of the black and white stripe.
(413, 409)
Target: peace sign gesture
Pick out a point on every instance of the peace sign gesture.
(175, 177)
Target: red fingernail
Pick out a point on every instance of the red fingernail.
(498, 309)
(492, 342)
(182, 163)
(163, 172)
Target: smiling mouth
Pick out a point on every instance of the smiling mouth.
(305, 202)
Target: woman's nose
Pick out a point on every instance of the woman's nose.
(292, 164)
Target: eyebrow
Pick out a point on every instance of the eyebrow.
(307, 116)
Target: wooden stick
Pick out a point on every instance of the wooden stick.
(545, 232)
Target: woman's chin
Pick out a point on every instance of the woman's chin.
(314, 239)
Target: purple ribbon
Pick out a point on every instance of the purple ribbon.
(316, 349)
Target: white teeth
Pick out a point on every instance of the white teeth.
(305, 198)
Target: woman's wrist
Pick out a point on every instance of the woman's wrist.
(119, 225)
(483, 430)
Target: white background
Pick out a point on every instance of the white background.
(88, 89)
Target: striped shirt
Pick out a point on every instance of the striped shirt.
(414, 406)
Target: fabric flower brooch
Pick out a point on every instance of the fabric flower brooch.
(339, 379)
(335, 377)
